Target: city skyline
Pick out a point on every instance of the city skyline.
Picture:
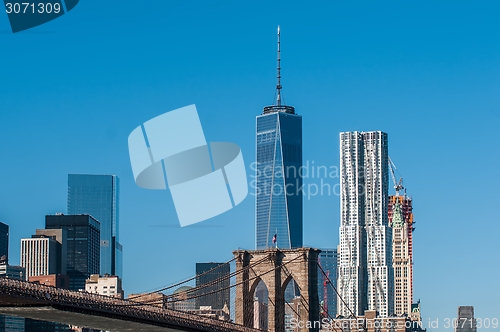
(426, 74)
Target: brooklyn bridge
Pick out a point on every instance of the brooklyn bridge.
(275, 268)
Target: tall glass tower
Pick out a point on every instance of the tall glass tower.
(278, 174)
(97, 195)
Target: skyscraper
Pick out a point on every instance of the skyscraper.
(327, 259)
(9, 323)
(278, 176)
(4, 242)
(365, 252)
(209, 274)
(41, 256)
(60, 236)
(98, 195)
(82, 234)
(466, 321)
(401, 222)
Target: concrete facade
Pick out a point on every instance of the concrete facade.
(401, 259)
(276, 268)
(54, 280)
(107, 285)
(39, 256)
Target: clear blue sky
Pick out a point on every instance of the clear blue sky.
(72, 90)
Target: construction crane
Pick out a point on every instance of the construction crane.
(324, 303)
(397, 185)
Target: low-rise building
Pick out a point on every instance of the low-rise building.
(207, 311)
(106, 285)
(12, 272)
(182, 299)
(155, 299)
(54, 280)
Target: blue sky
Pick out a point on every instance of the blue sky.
(428, 74)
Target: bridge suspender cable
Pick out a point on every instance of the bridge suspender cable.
(335, 289)
(223, 278)
(185, 281)
(196, 289)
(242, 282)
(272, 302)
(302, 300)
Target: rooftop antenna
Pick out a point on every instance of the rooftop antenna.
(278, 85)
(279, 103)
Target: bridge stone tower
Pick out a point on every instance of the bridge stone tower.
(276, 268)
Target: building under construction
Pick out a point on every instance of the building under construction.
(400, 211)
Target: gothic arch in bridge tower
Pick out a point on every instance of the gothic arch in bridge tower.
(276, 269)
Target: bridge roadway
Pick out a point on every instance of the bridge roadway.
(25, 299)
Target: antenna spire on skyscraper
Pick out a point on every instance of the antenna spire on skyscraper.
(279, 103)
(278, 85)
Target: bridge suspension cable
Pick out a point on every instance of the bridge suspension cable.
(184, 281)
(223, 278)
(286, 302)
(172, 297)
(338, 294)
(241, 282)
(302, 300)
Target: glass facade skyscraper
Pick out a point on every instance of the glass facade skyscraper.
(278, 181)
(4, 242)
(211, 273)
(98, 195)
(278, 178)
(82, 235)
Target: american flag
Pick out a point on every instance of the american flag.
(275, 238)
